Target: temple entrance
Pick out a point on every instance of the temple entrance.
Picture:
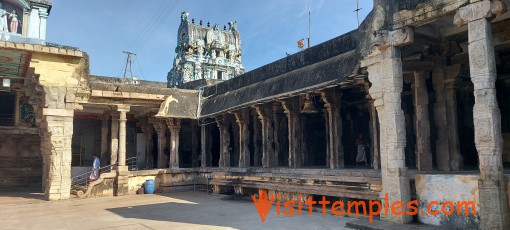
(214, 143)
(356, 125)
(315, 137)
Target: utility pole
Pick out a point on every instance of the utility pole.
(129, 61)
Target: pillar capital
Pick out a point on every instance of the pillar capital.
(241, 116)
(160, 127)
(384, 39)
(123, 108)
(264, 111)
(291, 106)
(478, 10)
(174, 124)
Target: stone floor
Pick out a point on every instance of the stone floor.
(184, 210)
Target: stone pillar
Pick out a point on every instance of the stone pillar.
(374, 134)
(205, 149)
(269, 158)
(486, 115)
(56, 129)
(104, 139)
(174, 125)
(194, 144)
(16, 108)
(160, 127)
(244, 138)
(456, 159)
(224, 141)
(422, 123)
(328, 137)
(123, 109)
(148, 130)
(332, 98)
(385, 73)
(43, 15)
(25, 21)
(121, 186)
(291, 107)
(440, 118)
(114, 144)
(257, 160)
(278, 142)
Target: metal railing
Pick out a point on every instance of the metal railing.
(83, 179)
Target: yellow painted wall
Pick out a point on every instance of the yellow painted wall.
(56, 70)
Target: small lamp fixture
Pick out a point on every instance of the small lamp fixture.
(309, 107)
(6, 83)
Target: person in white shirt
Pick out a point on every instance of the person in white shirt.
(94, 175)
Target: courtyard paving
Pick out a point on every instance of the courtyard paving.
(183, 210)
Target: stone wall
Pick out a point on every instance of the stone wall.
(452, 188)
(20, 160)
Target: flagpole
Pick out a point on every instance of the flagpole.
(309, 23)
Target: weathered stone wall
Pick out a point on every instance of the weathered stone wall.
(452, 188)
(20, 160)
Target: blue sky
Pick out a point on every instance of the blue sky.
(269, 28)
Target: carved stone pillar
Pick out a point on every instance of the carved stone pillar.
(276, 131)
(385, 74)
(291, 107)
(244, 138)
(456, 159)
(224, 141)
(422, 123)
(174, 125)
(56, 131)
(331, 98)
(257, 159)
(440, 118)
(494, 212)
(148, 130)
(104, 139)
(374, 135)
(194, 144)
(161, 127)
(328, 137)
(205, 148)
(114, 144)
(269, 158)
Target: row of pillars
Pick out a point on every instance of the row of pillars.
(385, 73)
(269, 134)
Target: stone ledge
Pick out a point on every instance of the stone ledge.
(58, 112)
(128, 95)
(41, 48)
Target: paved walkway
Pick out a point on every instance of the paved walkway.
(184, 210)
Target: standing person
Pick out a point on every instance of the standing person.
(94, 175)
(361, 156)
